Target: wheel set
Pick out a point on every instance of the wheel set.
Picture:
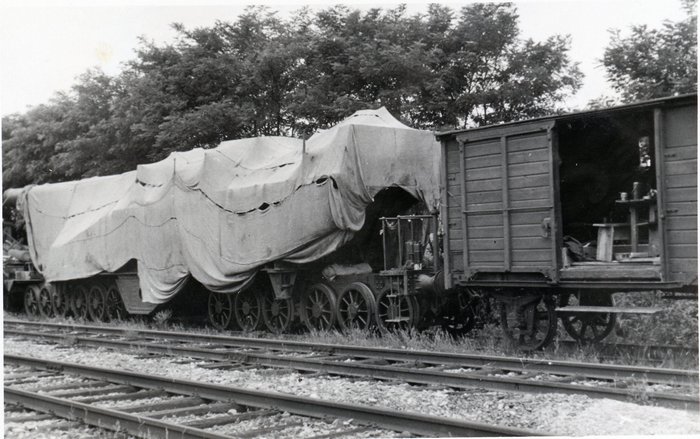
(248, 311)
(529, 321)
(319, 308)
(356, 307)
(94, 301)
(591, 327)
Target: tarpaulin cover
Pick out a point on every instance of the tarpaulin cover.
(220, 214)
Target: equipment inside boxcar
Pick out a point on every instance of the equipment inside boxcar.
(608, 188)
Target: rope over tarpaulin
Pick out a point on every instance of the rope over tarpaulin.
(222, 213)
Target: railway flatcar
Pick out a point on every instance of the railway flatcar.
(551, 216)
(266, 232)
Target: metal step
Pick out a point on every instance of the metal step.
(607, 309)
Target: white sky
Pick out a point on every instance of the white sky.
(44, 47)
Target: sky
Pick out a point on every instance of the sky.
(45, 45)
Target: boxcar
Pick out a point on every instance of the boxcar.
(553, 215)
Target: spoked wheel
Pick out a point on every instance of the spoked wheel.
(318, 307)
(589, 327)
(78, 299)
(529, 322)
(59, 300)
(395, 311)
(247, 309)
(462, 314)
(31, 301)
(356, 307)
(45, 300)
(97, 303)
(115, 307)
(277, 313)
(220, 310)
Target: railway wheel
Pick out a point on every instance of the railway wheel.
(220, 310)
(59, 300)
(277, 313)
(356, 307)
(587, 328)
(78, 301)
(115, 307)
(529, 322)
(247, 308)
(97, 303)
(31, 301)
(395, 311)
(46, 293)
(462, 314)
(318, 307)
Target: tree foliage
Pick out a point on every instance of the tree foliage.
(649, 63)
(263, 75)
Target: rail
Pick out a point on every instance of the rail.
(377, 416)
(414, 371)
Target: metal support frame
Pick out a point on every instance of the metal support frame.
(282, 281)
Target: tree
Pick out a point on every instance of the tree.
(649, 63)
(264, 75)
(433, 69)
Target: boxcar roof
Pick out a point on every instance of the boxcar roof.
(580, 114)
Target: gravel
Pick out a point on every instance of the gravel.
(564, 415)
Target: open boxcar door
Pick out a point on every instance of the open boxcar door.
(509, 211)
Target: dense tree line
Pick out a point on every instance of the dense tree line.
(263, 75)
(649, 63)
(644, 63)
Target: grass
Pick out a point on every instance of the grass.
(675, 325)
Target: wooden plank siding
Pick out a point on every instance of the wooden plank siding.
(453, 224)
(529, 187)
(680, 171)
(503, 215)
(499, 192)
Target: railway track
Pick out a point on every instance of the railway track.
(678, 387)
(651, 353)
(139, 404)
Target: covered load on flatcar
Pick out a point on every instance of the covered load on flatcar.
(221, 214)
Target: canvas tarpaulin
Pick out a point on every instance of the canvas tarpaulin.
(220, 214)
